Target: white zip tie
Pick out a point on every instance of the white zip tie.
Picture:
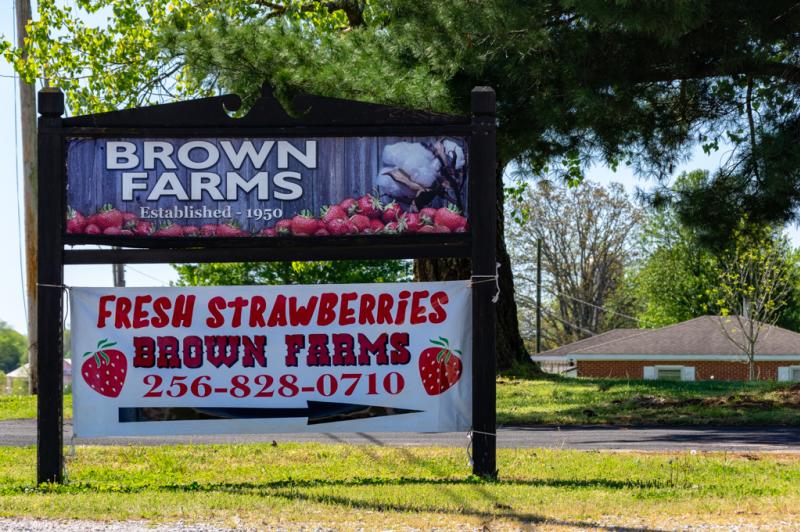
(475, 279)
(469, 443)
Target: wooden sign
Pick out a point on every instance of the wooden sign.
(138, 178)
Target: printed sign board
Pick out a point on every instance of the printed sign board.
(322, 358)
(266, 187)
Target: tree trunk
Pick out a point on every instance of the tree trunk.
(27, 118)
(510, 348)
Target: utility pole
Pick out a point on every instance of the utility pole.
(119, 274)
(538, 295)
(27, 118)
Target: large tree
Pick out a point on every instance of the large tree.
(588, 235)
(640, 83)
(13, 348)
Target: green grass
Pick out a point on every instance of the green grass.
(376, 487)
(530, 400)
(24, 406)
(555, 400)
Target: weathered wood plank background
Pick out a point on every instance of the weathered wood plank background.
(346, 167)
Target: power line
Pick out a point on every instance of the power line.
(565, 322)
(129, 267)
(605, 309)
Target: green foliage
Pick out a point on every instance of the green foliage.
(13, 348)
(681, 277)
(272, 273)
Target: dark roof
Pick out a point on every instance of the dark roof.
(699, 336)
(607, 336)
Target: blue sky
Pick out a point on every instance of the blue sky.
(11, 284)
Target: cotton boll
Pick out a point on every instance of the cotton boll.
(415, 159)
(390, 188)
(453, 147)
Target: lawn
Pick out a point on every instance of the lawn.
(341, 486)
(561, 401)
(529, 400)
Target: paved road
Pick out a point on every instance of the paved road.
(23, 432)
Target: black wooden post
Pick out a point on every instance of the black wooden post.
(483, 216)
(50, 461)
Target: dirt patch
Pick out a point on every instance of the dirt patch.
(788, 398)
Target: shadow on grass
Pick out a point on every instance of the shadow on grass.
(289, 490)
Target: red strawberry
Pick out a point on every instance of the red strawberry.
(449, 217)
(391, 212)
(426, 229)
(461, 230)
(333, 212)
(92, 229)
(322, 232)
(76, 222)
(412, 221)
(304, 224)
(208, 230)
(229, 229)
(126, 232)
(375, 226)
(108, 217)
(191, 230)
(349, 205)
(439, 367)
(283, 227)
(112, 231)
(392, 227)
(268, 232)
(106, 370)
(361, 222)
(143, 228)
(427, 215)
(129, 220)
(370, 206)
(338, 227)
(169, 230)
(441, 229)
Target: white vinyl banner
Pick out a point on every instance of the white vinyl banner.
(254, 359)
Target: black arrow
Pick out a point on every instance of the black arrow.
(316, 412)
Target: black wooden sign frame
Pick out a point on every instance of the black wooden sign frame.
(208, 117)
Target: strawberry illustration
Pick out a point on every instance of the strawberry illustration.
(427, 215)
(112, 230)
(76, 222)
(392, 228)
(109, 217)
(268, 232)
(391, 212)
(370, 206)
(349, 205)
(333, 212)
(106, 370)
(129, 220)
(229, 229)
(338, 227)
(361, 222)
(426, 229)
(143, 228)
(321, 232)
(304, 224)
(441, 229)
(450, 217)
(208, 230)
(375, 226)
(439, 367)
(412, 221)
(283, 227)
(191, 230)
(92, 229)
(169, 230)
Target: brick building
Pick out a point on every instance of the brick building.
(697, 349)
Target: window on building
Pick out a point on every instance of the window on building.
(789, 373)
(668, 374)
(796, 373)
